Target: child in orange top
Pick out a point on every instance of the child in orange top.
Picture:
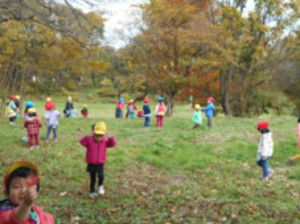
(33, 124)
(21, 186)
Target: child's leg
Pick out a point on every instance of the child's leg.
(37, 139)
(263, 163)
(93, 181)
(162, 121)
(101, 175)
(209, 122)
(30, 142)
(48, 132)
(55, 132)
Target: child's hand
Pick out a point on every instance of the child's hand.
(30, 196)
(108, 135)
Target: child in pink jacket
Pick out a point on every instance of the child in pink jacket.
(96, 146)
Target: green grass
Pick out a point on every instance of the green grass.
(169, 175)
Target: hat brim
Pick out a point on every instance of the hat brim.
(99, 132)
(18, 164)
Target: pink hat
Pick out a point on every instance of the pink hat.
(146, 100)
(210, 99)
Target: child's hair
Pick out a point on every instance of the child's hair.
(32, 115)
(298, 119)
(22, 172)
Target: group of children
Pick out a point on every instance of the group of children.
(22, 183)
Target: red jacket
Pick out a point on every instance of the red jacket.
(9, 217)
(33, 125)
(96, 151)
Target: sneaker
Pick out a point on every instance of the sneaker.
(93, 195)
(55, 140)
(11, 123)
(37, 146)
(31, 147)
(101, 190)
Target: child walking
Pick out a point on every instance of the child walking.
(96, 145)
(265, 149)
(21, 187)
(209, 111)
(296, 157)
(12, 110)
(147, 112)
(33, 124)
(52, 116)
(197, 116)
(160, 111)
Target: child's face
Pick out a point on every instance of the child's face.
(98, 137)
(17, 189)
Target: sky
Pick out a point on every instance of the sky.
(122, 17)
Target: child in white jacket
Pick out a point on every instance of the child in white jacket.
(265, 149)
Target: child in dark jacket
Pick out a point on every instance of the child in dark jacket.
(21, 186)
(96, 145)
(147, 113)
(33, 124)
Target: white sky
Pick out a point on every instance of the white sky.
(122, 16)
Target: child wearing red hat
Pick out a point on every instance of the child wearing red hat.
(265, 149)
(33, 124)
(21, 186)
(147, 112)
(209, 111)
(96, 146)
(52, 116)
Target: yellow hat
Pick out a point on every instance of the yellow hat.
(18, 97)
(48, 99)
(18, 164)
(100, 128)
(69, 98)
(31, 110)
(197, 107)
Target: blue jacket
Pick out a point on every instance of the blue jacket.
(209, 110)
(197, 117)
(147, 110)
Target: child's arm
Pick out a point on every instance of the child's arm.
(111, 141)
(84, 141)
(22, 211)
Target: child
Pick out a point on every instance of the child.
(119, 108)
(296, 157)
(48, 102)
(21, 186)
(69, 107)
(33, 124)
(52, 115)
(160, 111)
(265, 149)
(131, 109)
(84, 111)
(17, 103)
(147, 112)
(12, 110)
(96, 146)
(209, 111)
(197, 116)
(28, 104)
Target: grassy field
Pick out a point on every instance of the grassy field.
(170, 175)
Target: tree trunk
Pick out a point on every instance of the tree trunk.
(170, 105)
(2, 107)
(226, 77)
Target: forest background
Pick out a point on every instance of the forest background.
(185, 51)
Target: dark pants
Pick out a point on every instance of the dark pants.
(119, 113)
(209, 122)
(12, 119)
(147, 122)
(263, 163)
(54, 128)
(100, 178)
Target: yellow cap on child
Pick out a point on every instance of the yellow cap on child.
(197, 107)
(100, 128)
(31, 110)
